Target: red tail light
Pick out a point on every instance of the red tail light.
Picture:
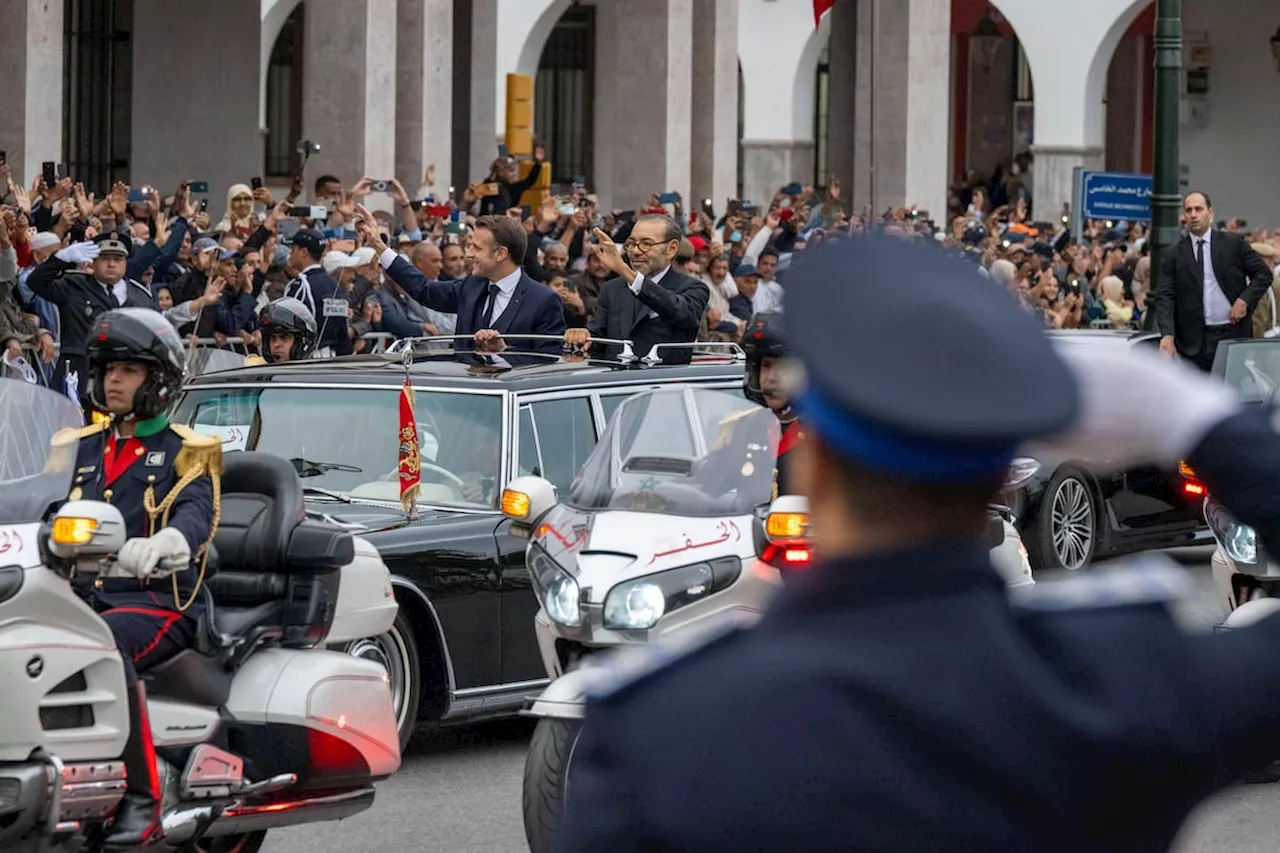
(790, 555)
(333, 756)
(1191, 485)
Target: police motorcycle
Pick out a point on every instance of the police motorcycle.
(255, 728)
(672, 528)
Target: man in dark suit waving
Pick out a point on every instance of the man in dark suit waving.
(1209, 285)
(648, 302)
(498, 299)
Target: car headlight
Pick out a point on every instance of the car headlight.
(1021, 470)
(637, 605)
(1241, 543)
(561, 601)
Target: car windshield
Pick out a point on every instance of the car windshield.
(1253, 369)
(347, 440)
(32, 474)
(694, 452)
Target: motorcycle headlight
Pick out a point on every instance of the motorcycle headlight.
(561, 601)
(1241, 543)
(637, 605)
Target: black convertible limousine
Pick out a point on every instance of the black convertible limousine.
(463, 646)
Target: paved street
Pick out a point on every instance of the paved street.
(460, 791)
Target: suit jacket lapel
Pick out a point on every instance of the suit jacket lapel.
(1215, 258)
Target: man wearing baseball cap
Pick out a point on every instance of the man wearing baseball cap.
(319, 292)
(83, 296)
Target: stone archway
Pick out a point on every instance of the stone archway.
(274, 14)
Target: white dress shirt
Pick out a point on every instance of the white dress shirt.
(657, 277)
(768, 297)
(1217, 310)
(506, 289)
(120, 290)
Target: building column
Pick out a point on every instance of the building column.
(903, 113)
(424, 92)
(714, 170)
(31, 97)
(212, 100)
(842, 93)
(653, 100)
(484, 89)
(349, 106)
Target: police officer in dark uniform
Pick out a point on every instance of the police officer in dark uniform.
(83, 297)
(164, 479)
(896, 697)
(319, 292)
(288, 330)
(766, 347)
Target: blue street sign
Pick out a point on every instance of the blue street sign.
(1115, 195)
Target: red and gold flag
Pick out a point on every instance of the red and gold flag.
(410, 475)
(820, 8)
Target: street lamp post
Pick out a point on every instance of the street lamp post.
(1166, 198)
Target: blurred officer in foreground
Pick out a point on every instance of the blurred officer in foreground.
(163, 478)
(896, 698)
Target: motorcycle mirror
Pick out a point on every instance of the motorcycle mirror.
(527, 499)
(86, 528)
(788, 519)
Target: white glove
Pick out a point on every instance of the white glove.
(141, 556)
(1139, 407)
(78, 253)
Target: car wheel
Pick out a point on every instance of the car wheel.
(546, 778)
(396, 651)
(1066, 529)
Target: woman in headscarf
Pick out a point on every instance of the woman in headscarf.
(239, 219)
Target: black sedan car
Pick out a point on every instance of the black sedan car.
(463, 646)
(1069, 515)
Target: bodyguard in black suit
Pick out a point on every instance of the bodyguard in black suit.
(647, 302)
(895, 697)
(1209, 285)
(498, 299)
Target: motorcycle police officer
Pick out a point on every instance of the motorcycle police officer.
(288, 330)
(766, 347)
(896, 697)
(83, 297)
(164, 478)
(319, 292)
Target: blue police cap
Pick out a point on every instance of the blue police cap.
(917, 365)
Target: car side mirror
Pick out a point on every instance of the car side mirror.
(526, 499)
(86, 529)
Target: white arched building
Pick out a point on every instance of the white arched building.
(710, 98)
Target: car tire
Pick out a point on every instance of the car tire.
(1065, 533)
(546, 774)
(246, 842)
(397, 652)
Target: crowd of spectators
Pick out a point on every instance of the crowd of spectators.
(211, 278)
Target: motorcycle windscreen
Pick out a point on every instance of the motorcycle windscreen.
(691, 452)
(34, 473)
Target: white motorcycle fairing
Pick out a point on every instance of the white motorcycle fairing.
(366, 605)
(50, 693)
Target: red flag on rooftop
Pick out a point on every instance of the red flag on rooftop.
(410, 475)
(820, 8)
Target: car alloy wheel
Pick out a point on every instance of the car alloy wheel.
(397, 655)
(1072, 523)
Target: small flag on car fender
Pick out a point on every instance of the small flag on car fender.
(820, 8)
(410, 474)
